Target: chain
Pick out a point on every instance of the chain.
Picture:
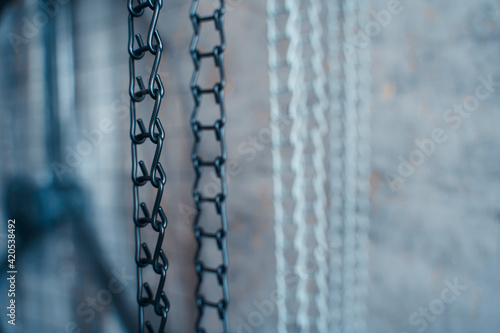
(299, 162)
(363, 173)
(335, 74)
(218, 165)
(349, 185)
(154, 176)
(319, 136)
(349, 121)
(328, 296)
(312, 288)
(285, 75)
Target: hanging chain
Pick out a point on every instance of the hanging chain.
(285, 75)
(335, 74)
(308, 224)
(154, 174)
(218, 165)
(310, 241)
(299, 99)
(349, 185)
(320, 162)
(363, 69)
(349, 121)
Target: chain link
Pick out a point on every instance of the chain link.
(218, 165)
(153, 174)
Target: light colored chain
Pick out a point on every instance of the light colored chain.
(349, 122)
(285, 124)
(363, 174)
(330, 292)
(336, 151)
(349, 216)
(319, 133)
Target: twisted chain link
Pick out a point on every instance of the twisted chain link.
(153, 174)
(218, 165)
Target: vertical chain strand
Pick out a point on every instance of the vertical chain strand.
(336, 153)
(299, 103)
(286, 75)
(363, 173)
(349, 185)
(153, 174)
(218, 165)
(349, 121)
(319, 160)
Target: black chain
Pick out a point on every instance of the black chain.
(219, 236)
(155, 176)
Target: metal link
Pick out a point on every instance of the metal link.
(154, 175)
(218, 164)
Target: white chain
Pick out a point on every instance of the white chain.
(349, 217)
(331, 292)
(349, 122)
(318, 134)
(336, 151)
(363, 174)
(285, 124)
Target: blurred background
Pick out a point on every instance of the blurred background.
(65, 171)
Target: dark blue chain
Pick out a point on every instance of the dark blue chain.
(151, 174)
(218, 163)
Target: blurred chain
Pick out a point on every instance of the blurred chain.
(312, 288)
(363, 172)
(218, 165)
(331, 290)
(299, 161)
(350, 179)
(317, 204)
(336, 155)
(286, 75)
(154, 176)
(349, 121)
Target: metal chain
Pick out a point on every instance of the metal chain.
(363, 173)
(285, 74)
(153, 174)
(218, 165)
(300, 127)
(350, 179)
(299, 98)
(318, 321)
(336, 153)
(349, 121)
